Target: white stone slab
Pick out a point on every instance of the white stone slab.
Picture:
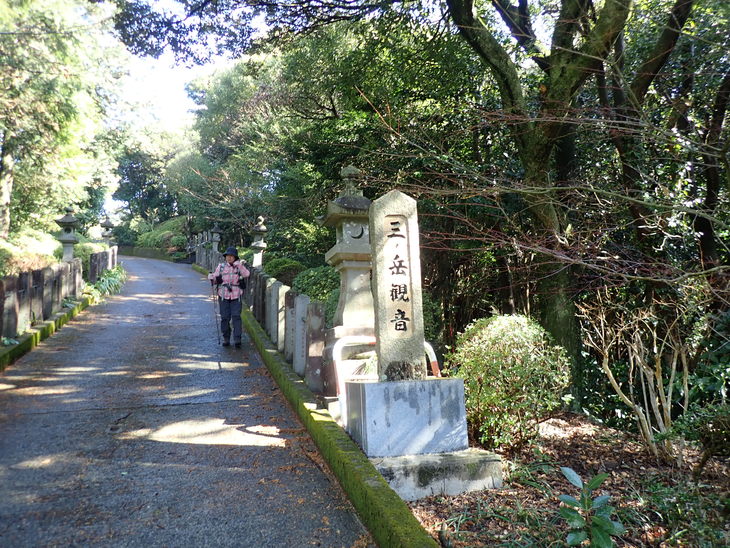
(412, 417)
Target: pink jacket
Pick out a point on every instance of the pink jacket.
(233, 276)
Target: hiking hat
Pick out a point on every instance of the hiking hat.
(231, 251)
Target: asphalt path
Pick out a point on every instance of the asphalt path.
(131, 426)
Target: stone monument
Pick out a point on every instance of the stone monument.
(403, 413)
(412, 427)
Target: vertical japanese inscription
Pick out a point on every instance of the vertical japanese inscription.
(398, 274)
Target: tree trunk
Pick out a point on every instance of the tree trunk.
(7, 162)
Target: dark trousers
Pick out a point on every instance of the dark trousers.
(230, 311)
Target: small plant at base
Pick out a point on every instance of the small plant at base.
(7, 341)
(587, 516)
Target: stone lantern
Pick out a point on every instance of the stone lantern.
(68, 224)
(354, 318)
(350, 256)
(215, 234)
(258, 245)
(107, 225)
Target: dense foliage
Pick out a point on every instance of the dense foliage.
(514, 375)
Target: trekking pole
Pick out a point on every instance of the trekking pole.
(215, 312)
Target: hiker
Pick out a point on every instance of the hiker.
(230, 277)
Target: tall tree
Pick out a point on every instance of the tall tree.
(51, 105)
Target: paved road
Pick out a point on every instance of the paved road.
(132, 427)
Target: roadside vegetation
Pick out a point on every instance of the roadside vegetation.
(570, 162)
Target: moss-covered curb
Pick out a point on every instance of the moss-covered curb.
(144, 252)
(383, 512)
(199, 269)
(39, 332)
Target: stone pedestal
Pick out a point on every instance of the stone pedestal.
(412, 417)
(414, 477)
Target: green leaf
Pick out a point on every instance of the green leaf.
(574, 519)
(571, 501)
(605, 511)
(600, 501)
(574, 538)
(618, 528)
(572, 477)
(596, 481)
(600, 538)
(602, 523)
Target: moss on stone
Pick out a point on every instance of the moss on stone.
(39, 332)
(383, 512)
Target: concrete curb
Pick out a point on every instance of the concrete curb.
(28, 341)
(383, 512)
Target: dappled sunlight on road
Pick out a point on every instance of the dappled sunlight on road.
(190, 393)
(212, 431)
(41, 461)
(46, 391)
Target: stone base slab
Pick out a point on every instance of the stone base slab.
(417, 476)
(413, 417)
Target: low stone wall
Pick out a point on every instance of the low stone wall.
(41, 331)
(33, 297)
(100, 262)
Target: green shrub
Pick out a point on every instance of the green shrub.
(110, 282)
(330, 307)
(317, 282)
(589, 516)
(83, 251)
(27, 250)
(179, 242)
(433, 323)
(707, 425)
(245, 255)
(161, 237)
(514, 377)
(284, 270)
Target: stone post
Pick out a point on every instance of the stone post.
(279, 336)
(36, 296)
(315, 346)
(289, 323)
(9, 292)
(258, 245)
(299, 358)
(68, 224)
(397, 288)
(47, 277)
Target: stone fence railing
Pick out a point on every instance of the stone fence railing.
(296, 325)
(37, 295)
(205, 247)
(99, 262)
